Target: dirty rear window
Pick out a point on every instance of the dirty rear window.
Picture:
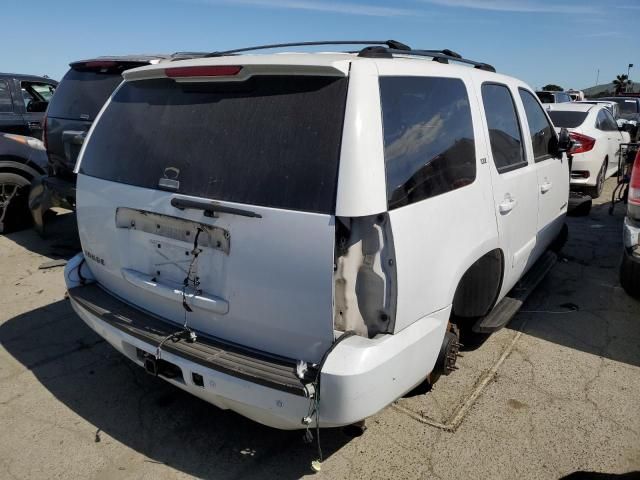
(565, 119)
(271, 140)
(81, 94)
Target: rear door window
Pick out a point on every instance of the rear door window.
(543, 137)
(81, 94)
(504, 128)
(429, 144)
(272, 141)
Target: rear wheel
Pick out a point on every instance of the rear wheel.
(630, 276)
(14, 209)
(596, 191)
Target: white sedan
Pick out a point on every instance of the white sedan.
(597, 140)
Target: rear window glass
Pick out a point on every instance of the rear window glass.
(626, 105)
(429, 146)
(546, 97)
(564, 119)
(272, 141)
(81, 94)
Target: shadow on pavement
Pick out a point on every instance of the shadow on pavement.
(607, 322)
(602, 476)
(60, 240)
(148, 415)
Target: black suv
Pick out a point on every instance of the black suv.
(629, 110)
(23, 100)
(78, 99)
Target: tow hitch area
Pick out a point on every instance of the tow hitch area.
(161, 367)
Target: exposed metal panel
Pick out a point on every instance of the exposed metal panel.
(173, 227)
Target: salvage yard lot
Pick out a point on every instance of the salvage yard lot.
(554, 393)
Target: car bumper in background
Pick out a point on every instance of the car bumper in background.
(585, 163)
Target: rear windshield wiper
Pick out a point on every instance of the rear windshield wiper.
(211, 208)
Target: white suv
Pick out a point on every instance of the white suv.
(297, 236)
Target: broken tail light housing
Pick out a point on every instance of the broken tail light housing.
(581, 143)
(203, 71)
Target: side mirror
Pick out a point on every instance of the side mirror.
(564, 142)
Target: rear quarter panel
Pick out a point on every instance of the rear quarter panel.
(436, 240)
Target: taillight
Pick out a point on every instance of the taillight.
(634, 183)
(97, 64)
(582, 143)
(211, 71)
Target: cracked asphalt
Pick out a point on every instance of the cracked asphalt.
(555, 393)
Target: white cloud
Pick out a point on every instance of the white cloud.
(320, 6)
(602, 34)
(523, 6)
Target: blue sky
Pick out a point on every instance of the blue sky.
(562, 41)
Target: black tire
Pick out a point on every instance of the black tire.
(630, 276)
(14, 207)
(596, 191)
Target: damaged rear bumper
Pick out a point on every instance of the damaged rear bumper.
(360, 376)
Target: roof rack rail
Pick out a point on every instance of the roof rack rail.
(374, 49)
(389, 43)
(442, 56)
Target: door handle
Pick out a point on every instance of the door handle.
(35, 125)
(507, 204)
(200, 300)
(545, 187)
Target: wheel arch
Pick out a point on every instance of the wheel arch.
(480, 284)
(20, 166)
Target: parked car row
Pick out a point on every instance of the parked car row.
(69, 114)
(597, 139)
(80, 96)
